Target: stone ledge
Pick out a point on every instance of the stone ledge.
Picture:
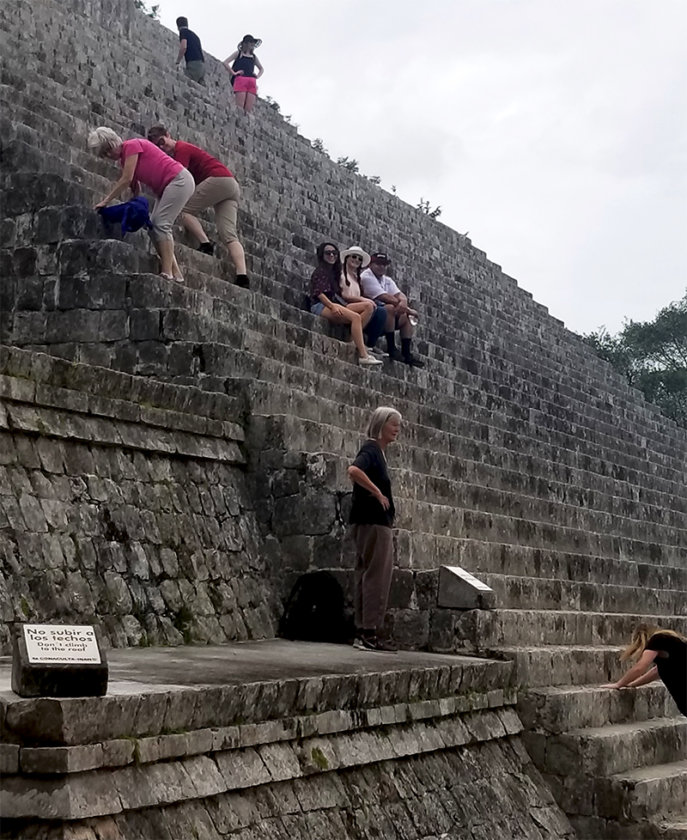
(47, 422)
(91, 794)
(29, 376)
(43, 722)
(146, 750)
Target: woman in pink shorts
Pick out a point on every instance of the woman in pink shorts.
(243, 75)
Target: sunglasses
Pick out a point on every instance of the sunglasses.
(355, 257)
(331, 253)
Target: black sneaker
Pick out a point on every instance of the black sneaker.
(413, 362)
(373, 642)
(396, 356)
(207, 248)
(242, 281)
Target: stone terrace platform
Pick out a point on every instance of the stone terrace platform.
(231, 740)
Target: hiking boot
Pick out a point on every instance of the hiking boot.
(377, 353)
(373, 642)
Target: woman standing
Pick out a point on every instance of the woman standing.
(327, 302)
(658, 654)
(143, 163)
(243, 75)
(372, 517)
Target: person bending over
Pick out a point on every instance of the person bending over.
(658, 654)
(241, 64)
(143, 163)
(327, 302)
(372, 518)
(378, 286)
(215, 187)
(191, 51)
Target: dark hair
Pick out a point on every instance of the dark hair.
(334, 269)
(182, 22)
(344, 273)
(156, 132)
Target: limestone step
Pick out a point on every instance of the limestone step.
(648, 792)
(474, 442)
(429, 346)
(521, 592)
(555, 664)
(96, 327)
(615, 748)
(553, 710)
(502, 628)
(106, 259)
(484, 558)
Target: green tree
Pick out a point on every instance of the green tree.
(348, 163)
(152, 12)
(652, 355)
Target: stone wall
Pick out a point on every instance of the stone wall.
(123, 502)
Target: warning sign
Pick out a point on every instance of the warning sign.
(57, 644)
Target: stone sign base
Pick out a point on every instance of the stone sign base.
(286, 739)
(31, 678)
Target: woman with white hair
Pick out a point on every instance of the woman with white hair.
(372, 517)
(143, 163)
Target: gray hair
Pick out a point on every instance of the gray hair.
(380, 417)
(103, 139)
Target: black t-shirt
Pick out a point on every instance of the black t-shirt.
(194, 51)
(366, 510)
(672, 669)
(245, 63)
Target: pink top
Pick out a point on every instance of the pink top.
(154, 168)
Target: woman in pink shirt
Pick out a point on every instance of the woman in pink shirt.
(143, 163)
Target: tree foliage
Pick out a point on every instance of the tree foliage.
(152, 12)
(426, 208)
(349, 164)
(652, 355)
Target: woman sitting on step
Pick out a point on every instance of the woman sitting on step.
(143, 163)
(326, 300)
(659, 654)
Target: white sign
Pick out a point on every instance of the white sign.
(468, 578)
(57, 644)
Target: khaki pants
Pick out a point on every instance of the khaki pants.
(223, 194)
(195, 70)
(171, 203)
(373, 569)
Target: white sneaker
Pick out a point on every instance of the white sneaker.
(377, 353)
(369, 361)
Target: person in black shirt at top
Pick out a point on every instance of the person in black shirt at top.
(372, 517)
(191, 50)
(659, 654)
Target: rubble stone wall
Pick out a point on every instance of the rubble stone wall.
(124, 502)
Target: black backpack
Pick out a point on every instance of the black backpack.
(314, 611)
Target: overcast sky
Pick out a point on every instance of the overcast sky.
(554, 131)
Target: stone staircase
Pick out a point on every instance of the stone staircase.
(524, 459)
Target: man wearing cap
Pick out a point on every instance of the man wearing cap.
(379, 287)
(191, 51)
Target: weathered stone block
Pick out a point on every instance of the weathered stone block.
(459, 589)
